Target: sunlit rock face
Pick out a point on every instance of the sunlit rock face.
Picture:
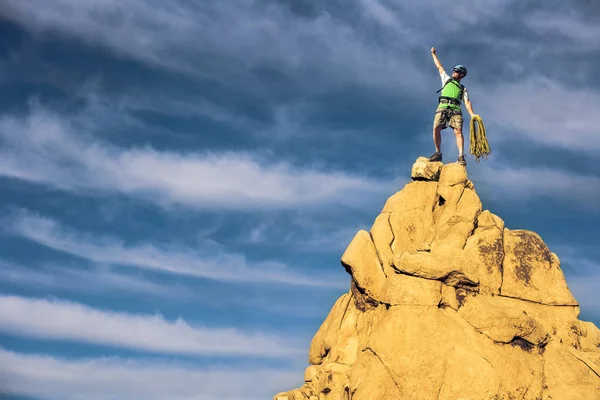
(446, 302)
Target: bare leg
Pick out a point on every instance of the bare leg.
(437, 138)
(460, 141)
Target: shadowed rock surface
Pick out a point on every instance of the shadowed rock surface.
(446, 302)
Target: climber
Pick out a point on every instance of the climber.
(449, 112)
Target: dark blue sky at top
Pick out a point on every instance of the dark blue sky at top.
(346, 89)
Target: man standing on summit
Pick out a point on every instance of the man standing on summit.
(449, 112)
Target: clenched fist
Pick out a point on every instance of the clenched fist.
(433, 50)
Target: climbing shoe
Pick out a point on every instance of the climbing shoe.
(437, 156)
(461, 160)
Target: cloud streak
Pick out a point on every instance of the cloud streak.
(46, 148)
(582, 33)
(321, 46)
(371, 43)
(517, 183)
(214, 264)
(53, 378)
(88, 280)
(62, 320)
(544, 111)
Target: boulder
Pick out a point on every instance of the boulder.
(447, 303)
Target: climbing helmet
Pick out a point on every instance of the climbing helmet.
(461, 68)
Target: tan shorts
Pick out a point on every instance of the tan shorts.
(446, 117)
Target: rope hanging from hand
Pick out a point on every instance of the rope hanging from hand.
(479, 145)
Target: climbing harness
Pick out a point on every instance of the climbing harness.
(452, 95)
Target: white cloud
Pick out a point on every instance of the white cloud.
(48, 149)
(502, 180)
(311, 234)
(89, 280)
(543, 111)
(63, 320)
(52, 378)
(579, 256)
(380, 13)
(307, 236)
(174, 104)
(103, 281)
(337, 43)
(430, 19)
(331, 50)
(183, 36)
(211, 263)
(583, 33)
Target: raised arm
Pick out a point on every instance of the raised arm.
(437, 62)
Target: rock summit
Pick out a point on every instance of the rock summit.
(448, 303)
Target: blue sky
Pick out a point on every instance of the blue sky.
(179, 179)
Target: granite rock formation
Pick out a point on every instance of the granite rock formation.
(446, 302)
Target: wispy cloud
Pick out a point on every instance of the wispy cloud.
(582, 259)
(580, 30)
(53, 378)
(89, 279)
(509, 182)
(211, 263)
(182, 37)
(378, 44)
(543, 110)
(310, 234)
(371, 42)
(302, 303)
(46, 148)
(63, 320)
(332, 44)
(380, 13)
(310, 237)
(180, 105)
(417, 19)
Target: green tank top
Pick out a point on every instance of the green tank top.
(453, 90)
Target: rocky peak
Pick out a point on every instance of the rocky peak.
(446, 302)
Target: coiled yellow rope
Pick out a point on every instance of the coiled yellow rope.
(479, 146)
